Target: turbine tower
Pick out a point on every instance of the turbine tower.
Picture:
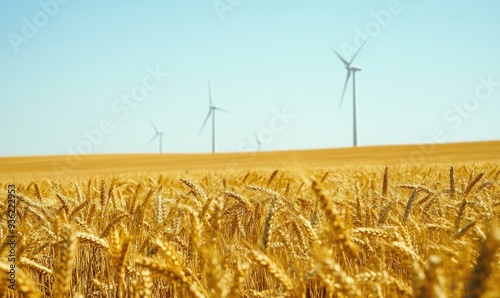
(351, 69)
(258, 141)
(158, 134)
(211, 112)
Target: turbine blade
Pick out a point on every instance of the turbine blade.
(340, 57)
(155, 136)
(154, 126)
(345, 87)
(222, 110)
(206, 119)
(209, 92)
(357, 52)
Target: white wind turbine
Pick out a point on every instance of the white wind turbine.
(351, 69)
(211, 112)
(158, 134)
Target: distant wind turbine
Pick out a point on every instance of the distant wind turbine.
(259, 142)
(158, 134)
(211, 112)
(351, 69)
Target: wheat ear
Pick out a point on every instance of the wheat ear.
(64, 268)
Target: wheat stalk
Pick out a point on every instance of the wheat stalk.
(483, 269)
(337, 226)
(273, 269)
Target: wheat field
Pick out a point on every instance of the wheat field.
(401, 230)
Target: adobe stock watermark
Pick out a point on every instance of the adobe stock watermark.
(121, 109)
(380, 19)
(455, 117)
(278, 123)
(31, 26)
(222, 7)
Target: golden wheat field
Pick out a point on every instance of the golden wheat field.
(336, 223)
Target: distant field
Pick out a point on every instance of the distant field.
(50, 166)
(398, 221)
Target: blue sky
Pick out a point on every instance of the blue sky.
(431, 73)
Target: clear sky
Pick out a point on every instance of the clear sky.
(90, 76)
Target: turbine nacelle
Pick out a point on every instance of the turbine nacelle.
(353, 68)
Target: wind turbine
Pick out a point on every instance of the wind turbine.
(351, 69)
(158, 134)
(211, 112)
(259, 142)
